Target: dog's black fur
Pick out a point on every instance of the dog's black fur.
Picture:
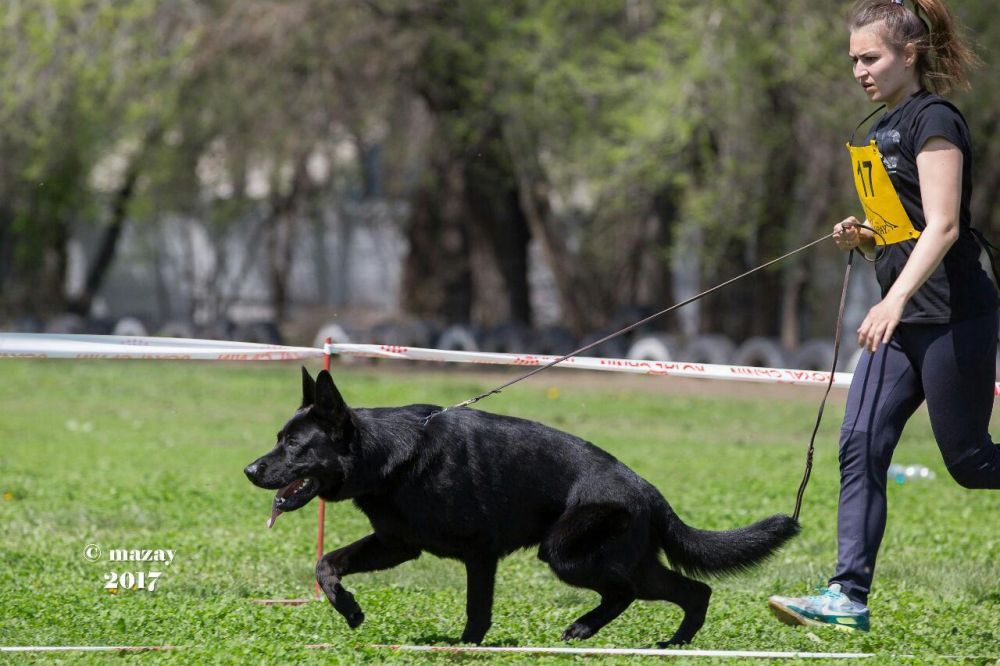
(475, 486)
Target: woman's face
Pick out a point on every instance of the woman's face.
(886, 75)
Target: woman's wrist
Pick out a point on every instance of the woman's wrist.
(897, 295)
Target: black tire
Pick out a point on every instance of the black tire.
(657, 347)
(457, 338)
(553, 341)
(712, 349)
(815, 354)
(402, 334)
(176, 329)
(220, 330)
(28, 324)
(509, 338)
(100, 326)
(130, 327)
(761, 352)
(614, 348)
(67, 324)
(260, 332)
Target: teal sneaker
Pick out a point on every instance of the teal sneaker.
(831, 608)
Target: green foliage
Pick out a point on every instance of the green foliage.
(150, 455)
(80, 82)
(725, 119)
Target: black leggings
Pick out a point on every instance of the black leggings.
(952, 367)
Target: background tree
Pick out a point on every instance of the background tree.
(81, 82)
(643, 150)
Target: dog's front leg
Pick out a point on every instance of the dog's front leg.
(480, 573)
(367, 554)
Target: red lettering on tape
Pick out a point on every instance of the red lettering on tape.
(620, 363)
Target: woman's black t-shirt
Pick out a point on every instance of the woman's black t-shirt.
(958, 289)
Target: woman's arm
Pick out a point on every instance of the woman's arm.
(940, 167)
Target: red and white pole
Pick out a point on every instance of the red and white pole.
(322, 504)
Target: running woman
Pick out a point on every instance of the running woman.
(933, 336)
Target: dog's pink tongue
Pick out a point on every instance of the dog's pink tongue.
(275, 512)
(281, 494)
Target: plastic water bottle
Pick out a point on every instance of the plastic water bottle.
(904, 473)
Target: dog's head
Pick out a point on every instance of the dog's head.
(312, 454)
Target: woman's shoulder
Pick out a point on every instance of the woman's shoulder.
(933, 115)
(931, 104)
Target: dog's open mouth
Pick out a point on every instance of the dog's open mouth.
(293, 496)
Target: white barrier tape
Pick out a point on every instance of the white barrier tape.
(55, 345)
(738, 373)
(48, 345)
(661, 368)
(136, 340)
(87, 648)
(630, 652)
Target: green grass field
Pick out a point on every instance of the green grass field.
(150, 455)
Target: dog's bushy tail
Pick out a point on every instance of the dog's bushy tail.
(705, 552)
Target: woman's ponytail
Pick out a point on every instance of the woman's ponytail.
(949, 57)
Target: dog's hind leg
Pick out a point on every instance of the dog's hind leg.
(367, 554)
(590, 623)
(653, 581)
(592, 546)
(481, 574)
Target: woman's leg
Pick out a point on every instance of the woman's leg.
(884, 393)
(958, 370)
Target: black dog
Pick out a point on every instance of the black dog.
(476, 486)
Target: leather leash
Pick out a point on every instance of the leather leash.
(836, 351)
(625, 330)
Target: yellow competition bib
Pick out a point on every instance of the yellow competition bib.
(883, 209)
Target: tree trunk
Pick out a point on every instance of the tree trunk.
(498, 235)
(104, 258)
(655, 285)
(437, 274)
(281, 224)
(101, 264)
(531, 191)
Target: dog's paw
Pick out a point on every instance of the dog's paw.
(577, 631)
(473, 637)
(475, 632)
(344, 603)
(355, 618)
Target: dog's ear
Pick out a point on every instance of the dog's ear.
(329, 404)
(308, 389)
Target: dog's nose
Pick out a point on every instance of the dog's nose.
(253, 469)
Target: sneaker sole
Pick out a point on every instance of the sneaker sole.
(788, 616)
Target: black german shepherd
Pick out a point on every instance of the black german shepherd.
(475, 487)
